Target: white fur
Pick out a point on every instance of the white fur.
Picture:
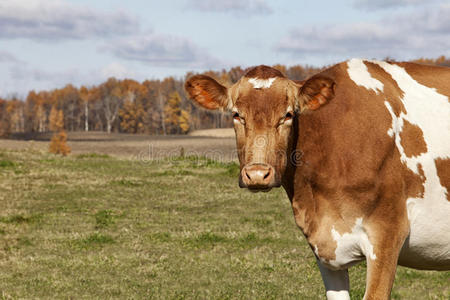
(262, 83)
(338, 295)
(337, 283)
(429, 240)
(360, 75)
(351, 246)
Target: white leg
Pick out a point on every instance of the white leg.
(336, 283)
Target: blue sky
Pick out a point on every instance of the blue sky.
(46, 44)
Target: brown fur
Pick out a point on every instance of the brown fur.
(316, 92)
(206, 91)
(443, 170)
(346, 166)
(263, 72)
(412, 140)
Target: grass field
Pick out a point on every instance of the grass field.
(94, 226)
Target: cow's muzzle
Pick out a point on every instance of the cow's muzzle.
(258, 177)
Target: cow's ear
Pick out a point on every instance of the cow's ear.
(316, 92)
(207, 92)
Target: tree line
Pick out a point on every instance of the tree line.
(129, 106)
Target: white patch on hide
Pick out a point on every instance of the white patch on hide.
(429, 238)
(360, 75)
(262, 83)
(351, 246)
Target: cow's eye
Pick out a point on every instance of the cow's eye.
(289, 115)
(287, 119)
(238, 118)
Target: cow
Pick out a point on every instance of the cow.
(362, 150)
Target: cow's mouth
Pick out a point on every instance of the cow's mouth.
(259, 189)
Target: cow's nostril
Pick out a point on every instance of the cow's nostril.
(257, 176)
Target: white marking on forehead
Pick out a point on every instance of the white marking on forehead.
(289, 108)
(261, 83)
(351, 245)
(358, 72)
(430, 111)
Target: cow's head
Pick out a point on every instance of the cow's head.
(265, 105)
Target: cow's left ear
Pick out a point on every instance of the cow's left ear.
(316, 92)
(207, 92)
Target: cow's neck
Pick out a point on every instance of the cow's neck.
(287, 182)
(301, 180)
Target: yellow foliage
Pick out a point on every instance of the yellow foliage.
(56, 119)
(177, 119)
(132, 115)
(184, 121)
(58, 144)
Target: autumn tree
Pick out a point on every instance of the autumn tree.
(15, 110)
(58, 143)
(111, 95)
(177, 119)
(132, 113)
(151, 107)
(85, 95)
(56, 122)
(36, 111)
(4, 119)
(184, 121)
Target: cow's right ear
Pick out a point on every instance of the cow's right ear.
(316, 92)
(207, 92)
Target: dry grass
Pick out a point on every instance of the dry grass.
(94, 226)
(133, 146)
(218, 133)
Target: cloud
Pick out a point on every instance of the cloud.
(421, 33)
(388, 4)
(25, 72)
(7, 57)
(60, 20)
(241, 7)
(24, 77)
(161, 50)
(116, 70)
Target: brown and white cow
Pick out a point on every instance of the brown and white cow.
(363, 152)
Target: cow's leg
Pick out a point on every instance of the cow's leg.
(336, 283)
(380, 276)
(382, 263)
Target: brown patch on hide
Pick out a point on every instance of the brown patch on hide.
(411, 139)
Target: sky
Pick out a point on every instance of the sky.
(46, 44)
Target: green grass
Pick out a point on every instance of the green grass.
(93, 226)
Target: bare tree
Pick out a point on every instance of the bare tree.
(161, 112)
(110, 109)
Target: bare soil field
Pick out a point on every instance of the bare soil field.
(217, 144)
(219, 132)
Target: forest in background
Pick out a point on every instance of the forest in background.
(157, 107)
